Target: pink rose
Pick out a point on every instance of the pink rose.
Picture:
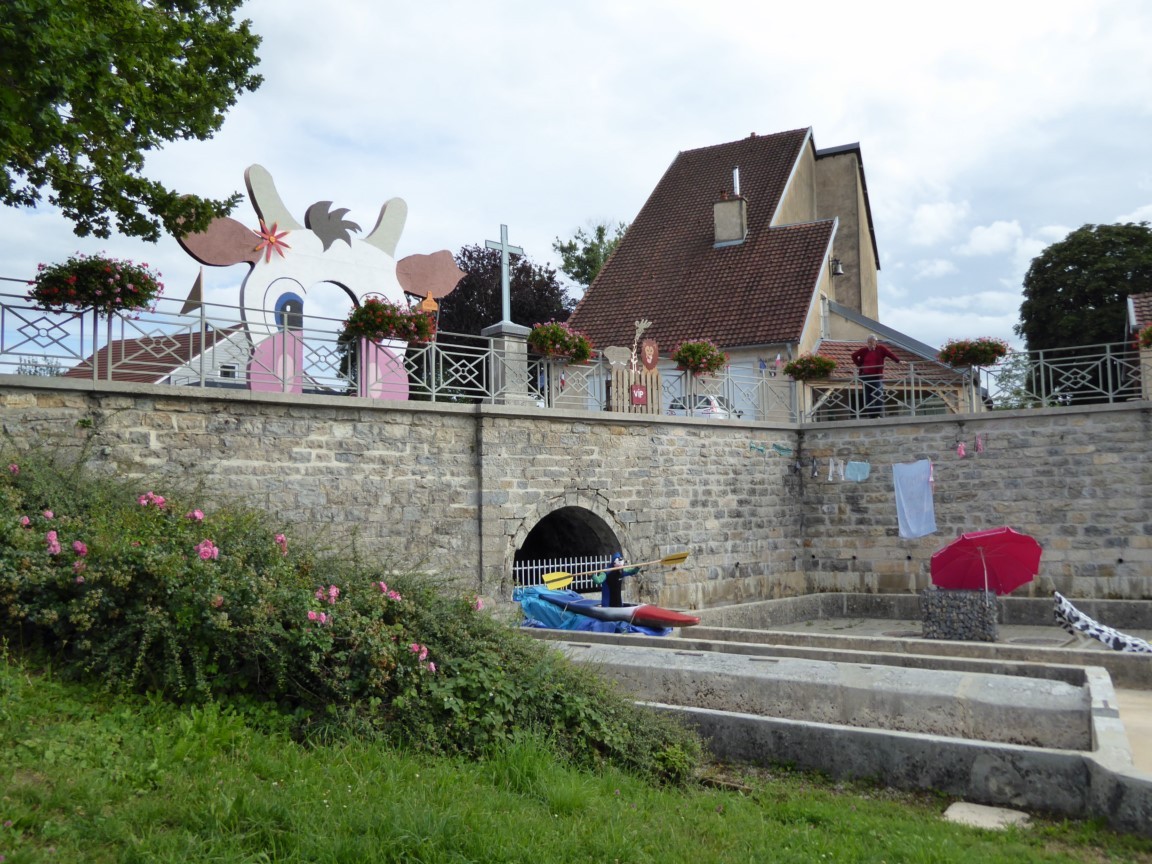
(48, 514)
(195, 515)
(13, 469)
(79, 548)
(207, 550)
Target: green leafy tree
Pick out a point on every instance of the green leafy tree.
(535, 293)
(583, 256)
(87, 89)
(1076, 290)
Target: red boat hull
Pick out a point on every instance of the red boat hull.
(644, 614)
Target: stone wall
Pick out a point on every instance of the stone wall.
(458, 488)
(1078, 480)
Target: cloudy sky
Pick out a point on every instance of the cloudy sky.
(988, 131)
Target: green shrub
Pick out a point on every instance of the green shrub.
(159, 593)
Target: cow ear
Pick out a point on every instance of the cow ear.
(266, 200)
(434, 275)
(389, 226)
(225, 241)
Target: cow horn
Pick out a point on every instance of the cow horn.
(266, 200)
(389, 226)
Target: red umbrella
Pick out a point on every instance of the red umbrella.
(998, 559)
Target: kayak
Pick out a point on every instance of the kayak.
(643, 614)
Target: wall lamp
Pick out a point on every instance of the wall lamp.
(836, 266)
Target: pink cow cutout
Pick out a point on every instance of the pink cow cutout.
(286, 258)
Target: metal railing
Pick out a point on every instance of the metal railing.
(214, 346)
(583, 567)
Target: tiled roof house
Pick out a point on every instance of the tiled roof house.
(170, 359)
(764, 245)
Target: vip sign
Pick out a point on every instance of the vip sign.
(639, 394)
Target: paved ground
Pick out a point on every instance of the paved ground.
(1135, 705)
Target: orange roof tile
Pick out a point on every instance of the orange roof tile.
(927, 371)
(1142, 306)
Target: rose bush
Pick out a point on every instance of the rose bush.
(155, 592)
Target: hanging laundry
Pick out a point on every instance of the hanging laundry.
(857, 472)
(835, 469)
(960, 451)
(979, 443)
(815, 467)
(915, 511)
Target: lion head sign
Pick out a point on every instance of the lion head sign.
(286, 259)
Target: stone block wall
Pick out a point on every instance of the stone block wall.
(457, 488)
(1078, 480)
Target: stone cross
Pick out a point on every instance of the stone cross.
(505, 282)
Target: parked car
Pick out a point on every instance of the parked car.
(714, 407)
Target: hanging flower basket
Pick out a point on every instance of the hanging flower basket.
(95, 282)
(377, 319)
(1144, 339)
(984, 351)
(700, 357)
(808, 367)
(557, 340)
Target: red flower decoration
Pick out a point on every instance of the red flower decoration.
(271, 239)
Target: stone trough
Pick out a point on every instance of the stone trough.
(990, 725)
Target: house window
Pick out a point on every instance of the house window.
(228, 370)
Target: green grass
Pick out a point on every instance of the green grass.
(87, 777)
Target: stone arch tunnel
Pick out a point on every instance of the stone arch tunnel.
(568, 533)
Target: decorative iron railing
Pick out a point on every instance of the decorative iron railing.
(213, 346)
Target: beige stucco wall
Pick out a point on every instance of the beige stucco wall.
(840, 194)
(798, 203)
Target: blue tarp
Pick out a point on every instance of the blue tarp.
(548, 616)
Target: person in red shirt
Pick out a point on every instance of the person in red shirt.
(869, 362)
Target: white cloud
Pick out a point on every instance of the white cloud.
(479, 116)
(934, 268)
(992, 239)
(936, 222)
(1140, 214)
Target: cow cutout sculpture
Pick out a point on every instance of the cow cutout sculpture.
(286, 259)
(1078, 624)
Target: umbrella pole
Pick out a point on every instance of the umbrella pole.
(985, 563)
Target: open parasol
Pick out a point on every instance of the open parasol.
(998, 559)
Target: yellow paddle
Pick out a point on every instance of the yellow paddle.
(561, 579)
